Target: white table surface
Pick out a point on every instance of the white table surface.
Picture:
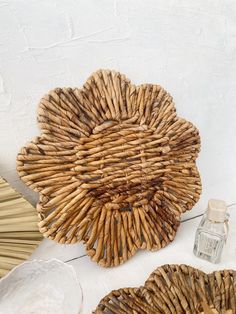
(96, 282)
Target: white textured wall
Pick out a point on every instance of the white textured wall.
(187, 46)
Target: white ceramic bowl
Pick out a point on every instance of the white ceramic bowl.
(41, 287)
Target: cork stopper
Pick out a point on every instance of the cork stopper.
(216, 210)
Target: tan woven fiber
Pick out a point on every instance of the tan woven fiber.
(176, 289)
(114, 167)
(19, 234)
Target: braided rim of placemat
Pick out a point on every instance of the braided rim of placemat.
(114, 167)
(176, 289)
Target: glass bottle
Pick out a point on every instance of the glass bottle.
(212, 232)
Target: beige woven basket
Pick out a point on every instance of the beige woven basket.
(176, 289)
(114, 166)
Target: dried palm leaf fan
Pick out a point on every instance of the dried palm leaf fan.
(176, 289)
(114, 167)
(19, 234)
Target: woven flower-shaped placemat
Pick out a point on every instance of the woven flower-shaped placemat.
(176, 289)
(114, 167)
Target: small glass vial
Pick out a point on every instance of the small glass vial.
(212, 232)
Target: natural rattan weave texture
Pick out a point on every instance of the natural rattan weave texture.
(114, 166)
(176, 289)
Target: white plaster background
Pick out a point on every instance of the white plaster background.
(187, 46)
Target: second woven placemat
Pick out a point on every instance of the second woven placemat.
(176, 289)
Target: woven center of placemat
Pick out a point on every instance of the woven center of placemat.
(122, 164)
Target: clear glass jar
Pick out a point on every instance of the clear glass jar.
(211, 236)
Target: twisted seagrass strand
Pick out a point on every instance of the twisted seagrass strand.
(114, 167)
